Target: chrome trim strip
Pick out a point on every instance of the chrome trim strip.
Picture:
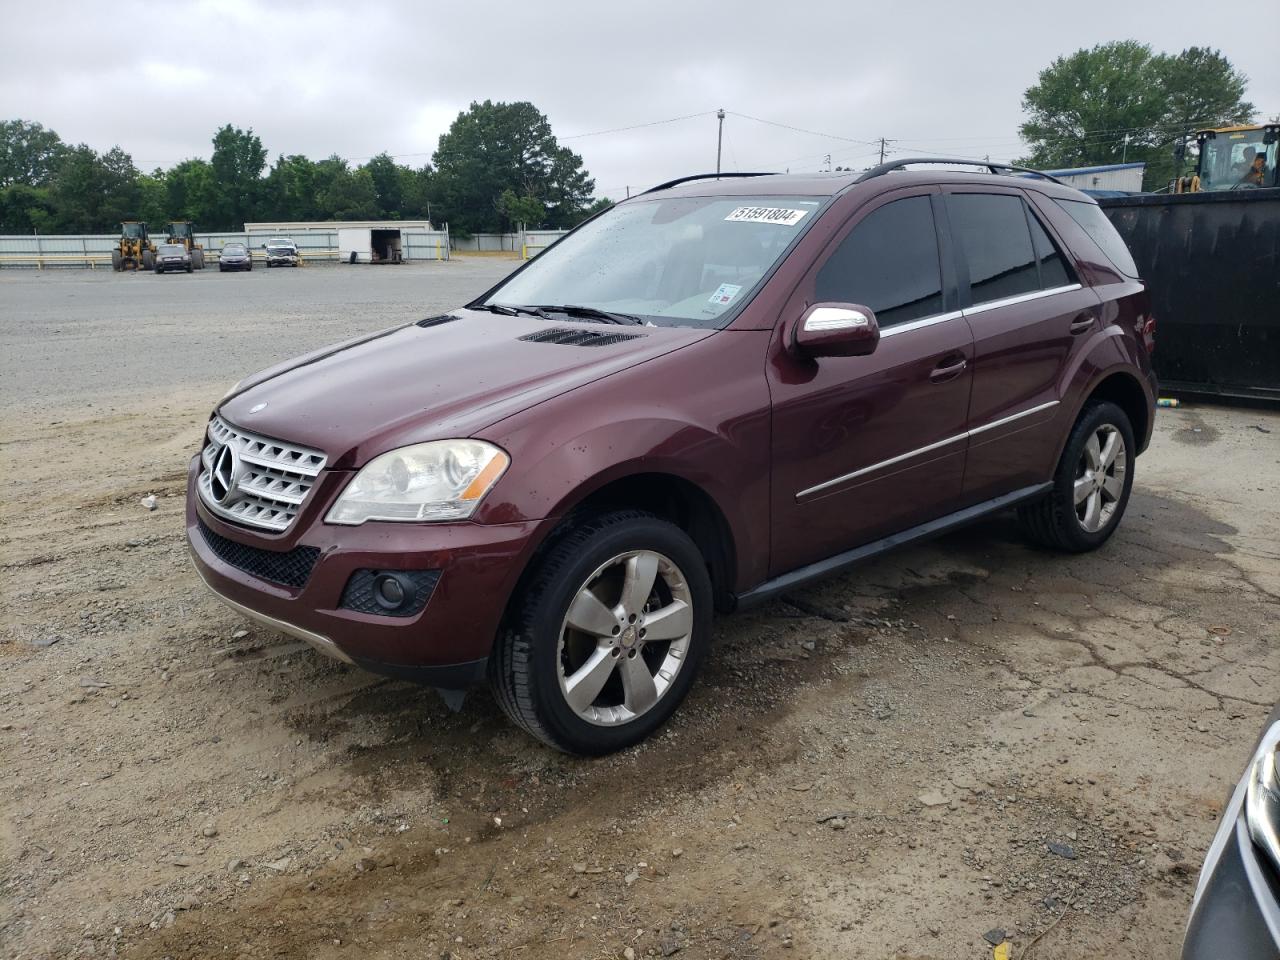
(1020, 298)
(881, 465)
(928, 449)
(1012, 417)
(317, 640)
(922, 322)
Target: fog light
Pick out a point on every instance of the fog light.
(388, 591)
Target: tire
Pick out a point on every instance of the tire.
(221, 268)
(1076, 524)
(148, 259)
(189, 268)
(197, 259)
(117, 261)
(538, 651)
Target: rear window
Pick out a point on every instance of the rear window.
(1095, 223)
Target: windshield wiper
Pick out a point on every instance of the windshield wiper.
(586, 313)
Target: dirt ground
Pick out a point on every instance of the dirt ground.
(969, 738)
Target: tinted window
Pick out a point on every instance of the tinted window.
(1100, 230)
(1053, 269)
(888, 262)
(991, 231)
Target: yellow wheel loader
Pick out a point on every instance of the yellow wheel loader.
(184, 232)
(135, 248)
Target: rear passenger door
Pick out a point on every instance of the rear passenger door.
(1029, 316)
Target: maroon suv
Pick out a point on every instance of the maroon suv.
(701, 398)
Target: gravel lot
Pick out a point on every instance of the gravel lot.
(967, 738)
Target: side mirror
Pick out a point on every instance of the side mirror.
(837, 330)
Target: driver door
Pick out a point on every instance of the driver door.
(867, 446)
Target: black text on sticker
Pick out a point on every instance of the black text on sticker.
(780, 215)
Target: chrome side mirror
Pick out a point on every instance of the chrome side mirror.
(837, 330)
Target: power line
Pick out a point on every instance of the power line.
(637, 126)
(813, 133)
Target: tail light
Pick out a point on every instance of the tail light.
(1148, 329)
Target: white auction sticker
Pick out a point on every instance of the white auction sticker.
(780, 215)
(725, 292)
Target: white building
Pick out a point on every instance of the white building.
(358, 241)
(1125, 177)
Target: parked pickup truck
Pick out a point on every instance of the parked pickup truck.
(699, 399)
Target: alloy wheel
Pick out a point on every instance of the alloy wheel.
(1100, 476)
(625, 637)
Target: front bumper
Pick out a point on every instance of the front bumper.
(445, 644)
(1236, 911)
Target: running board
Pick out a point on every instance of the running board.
(926, 531)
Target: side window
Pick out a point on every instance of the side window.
(991, 231)
(889, 262)
(1054, 271)
(1099, 228)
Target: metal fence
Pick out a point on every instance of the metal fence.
(528, 244)
(42, 252)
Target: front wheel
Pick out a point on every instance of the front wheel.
(605, 641)
(1091, 485)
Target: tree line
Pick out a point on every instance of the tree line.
(499, 165)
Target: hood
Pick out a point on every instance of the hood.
(450, 379)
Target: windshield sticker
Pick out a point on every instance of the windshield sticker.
(724, 293)
(780, 215)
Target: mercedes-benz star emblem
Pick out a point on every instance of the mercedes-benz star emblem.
(226, 469)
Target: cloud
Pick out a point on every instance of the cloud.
(356, 79)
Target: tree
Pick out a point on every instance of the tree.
(1084, 106)
(29, 154)
(238, 161)
(495, 147)
(289, 192)
(388, 185)
(521, 211)
(350, 195)
(92, 192)
(25, 209)
(192, 193)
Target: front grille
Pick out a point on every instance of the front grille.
(577, 338)
(266, 481)
(358, 595)
(289, 568)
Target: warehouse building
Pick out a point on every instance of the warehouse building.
(1111, 178)
(357, 241)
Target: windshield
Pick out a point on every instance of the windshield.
(689, 261)
(170, 249)
(233, 248)
(133, 229)
(179, 229)
(1238, 160)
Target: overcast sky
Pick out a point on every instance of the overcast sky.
(356, 78)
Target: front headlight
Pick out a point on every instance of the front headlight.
(1262, 795)
(441, 480)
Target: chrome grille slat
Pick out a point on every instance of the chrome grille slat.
(273, 480)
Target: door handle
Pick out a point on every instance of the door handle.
(949, 369)
(1081, 324)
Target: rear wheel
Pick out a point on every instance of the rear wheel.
(1091, 485)
(197, 259)
(608, 635)
(117, 261)
(148, 259)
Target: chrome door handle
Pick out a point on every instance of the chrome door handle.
(1082, 324)
(944, 372)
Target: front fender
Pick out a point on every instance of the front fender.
(671, 417)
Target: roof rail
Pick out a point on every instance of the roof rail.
(706, 176)
(995, 168)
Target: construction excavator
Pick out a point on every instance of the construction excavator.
(184, 232)
(134, 248)
(1234, 158)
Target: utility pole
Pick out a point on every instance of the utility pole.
(1124, 154)
(628, 193)
(882, 143)
(719, 138)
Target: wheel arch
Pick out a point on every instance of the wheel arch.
(666, 495)
(1123, 388)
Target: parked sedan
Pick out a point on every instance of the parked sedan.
(235, 256)
(1236, 910)
(173, 256)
